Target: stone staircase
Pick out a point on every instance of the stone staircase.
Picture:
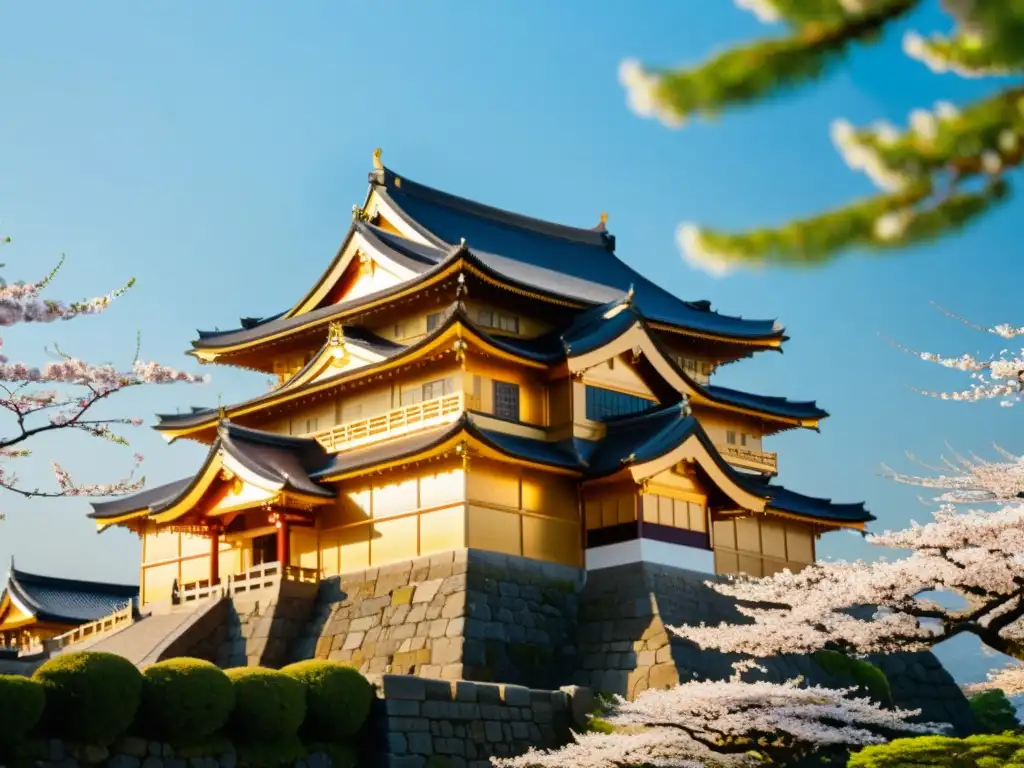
(164, 632)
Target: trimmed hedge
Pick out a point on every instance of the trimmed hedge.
(22, 702)
(986, 751)
(993, 712)
(338, 698)
(185, 700)
(91, 696)
(269, 705)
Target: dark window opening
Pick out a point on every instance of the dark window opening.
(433, 321)
(606, 403)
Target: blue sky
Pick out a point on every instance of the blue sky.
(214, 151)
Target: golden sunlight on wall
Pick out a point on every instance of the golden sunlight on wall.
(718, 425)
(523, 512)
(168, 556)
(761, 545)
(405, 514)
(608, 505)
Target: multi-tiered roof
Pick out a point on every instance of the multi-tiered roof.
(449, 248)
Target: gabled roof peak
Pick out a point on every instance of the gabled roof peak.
(598, 237)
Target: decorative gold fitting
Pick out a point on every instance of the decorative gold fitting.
(366, 263)
(578, 375)
(643, 484)
(629, 459)
(336, 343)
(637, 353)
(459, 348)
(462, 451)
(359, 214)
(377, 164)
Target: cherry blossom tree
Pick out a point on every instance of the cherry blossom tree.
(943, 170)
(864, 607)
(730, 724)
(61, 395)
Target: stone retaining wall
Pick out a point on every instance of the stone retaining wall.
(460, 724)
(464, 614)
(625, 647)
(261, 627)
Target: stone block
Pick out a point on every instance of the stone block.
(402, 595)
(452, 671)
(454, 607)
(493, 732)
(420, 743)
(404, 687)
(402, 707)
(364, 623)
(463, 690)
(663, 676)
(406, 761)
(515, 695)
(438, 690)
(427, 590)
(353, 641)
(397, 744)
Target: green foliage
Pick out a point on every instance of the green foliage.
(338, 698)
(91, 697)
(269, 705)
(941, 173)
(341, 755)
(988, 751)
(271, 753)
(185, 700)
(863, 674)
(818, 38)
(993, 712)
(22, 702)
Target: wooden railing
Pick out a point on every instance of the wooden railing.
(760, 460)
(408, 418)
(121, 616)
(258, 577)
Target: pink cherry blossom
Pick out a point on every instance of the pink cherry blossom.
(59, 394)
(730, 723)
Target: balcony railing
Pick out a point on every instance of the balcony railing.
(255, 578)
(120, 617)
(761, 461)
(408, 418)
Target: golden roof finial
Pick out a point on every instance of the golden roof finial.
(604, 218)
(376, 160)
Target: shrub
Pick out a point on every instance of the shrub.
(993, 712)
(185, 700)
(269, 705)
(983, 751)
(22, 701)
(863, 674)
(338, 698)
(91, 697)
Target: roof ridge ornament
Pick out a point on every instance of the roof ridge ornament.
(377, 164)
(603, 222)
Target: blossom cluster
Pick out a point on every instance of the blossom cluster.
(39, 409)
(642, 94)
(730, 723)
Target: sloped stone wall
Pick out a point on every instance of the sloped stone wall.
(464, 614)
(260, 627)
(625, 647)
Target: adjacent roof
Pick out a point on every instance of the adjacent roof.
(66, 601)
(280, 461)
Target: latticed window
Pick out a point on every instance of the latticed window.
(606, 403)
(506, 400)
(498, 321)
(433, 321)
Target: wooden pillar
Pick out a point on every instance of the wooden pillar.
(214, 555)
(282, 542)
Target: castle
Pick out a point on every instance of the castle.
(463, 377)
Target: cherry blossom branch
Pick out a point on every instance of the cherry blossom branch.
(31, 392)
(729, 724)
